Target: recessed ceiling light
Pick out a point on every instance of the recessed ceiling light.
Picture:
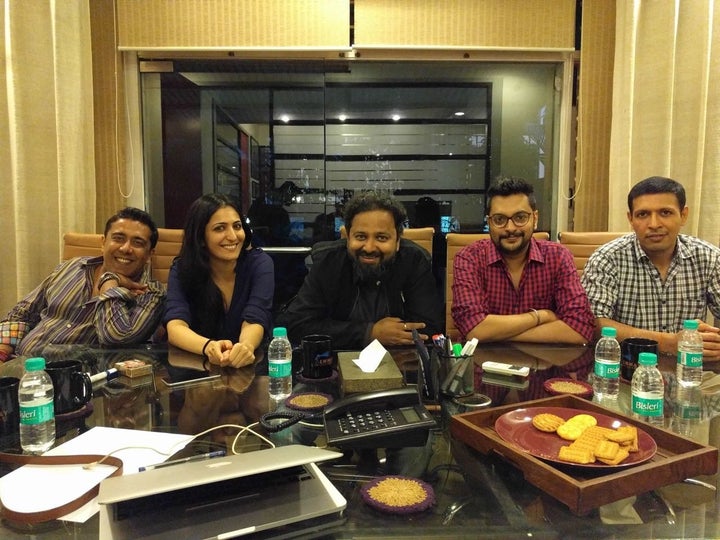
(342, 117)
(459, 113)
(395, 117)
(285, 118)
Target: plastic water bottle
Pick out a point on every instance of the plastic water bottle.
(37, 411)
(280, 365)
(648, 391)
(606, 379)
(690, 355)
(687, 413)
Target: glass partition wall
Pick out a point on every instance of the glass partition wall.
(294, 140)
(307, 135)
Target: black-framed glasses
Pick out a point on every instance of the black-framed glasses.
(500, 220)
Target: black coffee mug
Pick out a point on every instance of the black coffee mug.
(630, 350)
(72, 387)
(318, 356)
(9, 408)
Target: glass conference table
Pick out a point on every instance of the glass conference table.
(477, 496)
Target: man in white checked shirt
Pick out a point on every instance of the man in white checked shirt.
(648, 282)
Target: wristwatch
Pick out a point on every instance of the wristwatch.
(107, 276)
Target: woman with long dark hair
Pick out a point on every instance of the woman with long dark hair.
(220, 288)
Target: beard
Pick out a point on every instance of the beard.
(521, 246)
(372, 272)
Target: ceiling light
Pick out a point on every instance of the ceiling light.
(459, 113)
(285, 118)
(395, 117)
(342, 117)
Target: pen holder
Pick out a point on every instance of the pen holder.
(457, 374)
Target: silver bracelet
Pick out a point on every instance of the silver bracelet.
(537, 316)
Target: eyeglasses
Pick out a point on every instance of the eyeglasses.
(500, 220)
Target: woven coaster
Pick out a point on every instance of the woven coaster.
(398, 495)
(308, 401)
(560, 386)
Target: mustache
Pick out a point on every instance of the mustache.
(363, 253)
(512, 235)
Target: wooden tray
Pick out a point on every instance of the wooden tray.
(581, 490)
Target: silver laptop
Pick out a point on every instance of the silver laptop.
(278, 492)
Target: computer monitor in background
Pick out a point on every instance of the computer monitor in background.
(445, 223)
(447, 220)
(339, 222)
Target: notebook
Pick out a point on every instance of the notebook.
(279, 491)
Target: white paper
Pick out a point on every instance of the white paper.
(370, 357)
(34, 488)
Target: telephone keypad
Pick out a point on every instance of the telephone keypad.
(359, 422)
(385, 419)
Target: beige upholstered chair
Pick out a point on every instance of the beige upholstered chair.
(582, 244)
(455, 242)
(81, 245)
(422, 236)
(90, 244)
(167, 248)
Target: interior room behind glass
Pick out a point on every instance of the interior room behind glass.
(294, 140)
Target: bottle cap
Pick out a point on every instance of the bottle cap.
(647, 359)
(690, 324)
(34, 364)
(279, 331)
(608, 331)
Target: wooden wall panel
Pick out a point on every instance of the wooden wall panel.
(595, 115)
(233, 24)
(517, 24)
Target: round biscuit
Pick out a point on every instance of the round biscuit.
(547, 422)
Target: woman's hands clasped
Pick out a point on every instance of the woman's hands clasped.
(223, 353)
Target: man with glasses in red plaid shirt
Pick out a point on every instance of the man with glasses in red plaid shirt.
(513, 287)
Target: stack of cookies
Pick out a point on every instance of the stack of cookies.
(590, 442)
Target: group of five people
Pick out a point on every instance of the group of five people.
(377, 285)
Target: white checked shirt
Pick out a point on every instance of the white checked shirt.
(622, 284)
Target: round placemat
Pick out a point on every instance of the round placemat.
(308, 401)
(398, 495)
(560, 386)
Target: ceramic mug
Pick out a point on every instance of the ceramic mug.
(72, 387)
(9, 408)
(630, 349)
(318, 356)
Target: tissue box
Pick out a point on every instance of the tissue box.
(354, 380)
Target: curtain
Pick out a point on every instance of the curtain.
(46, 138)
(666, 106)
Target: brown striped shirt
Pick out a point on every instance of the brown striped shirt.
(62, 310)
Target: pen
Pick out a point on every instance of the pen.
(108, 374)
(198, 457)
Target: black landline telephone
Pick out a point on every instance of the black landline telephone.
(386, 419)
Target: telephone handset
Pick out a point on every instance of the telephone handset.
(389, 418)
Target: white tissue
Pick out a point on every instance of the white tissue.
(370, 357)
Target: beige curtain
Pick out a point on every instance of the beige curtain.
(666, 106)
(46, 137)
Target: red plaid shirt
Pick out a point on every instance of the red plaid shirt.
(482, 286)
